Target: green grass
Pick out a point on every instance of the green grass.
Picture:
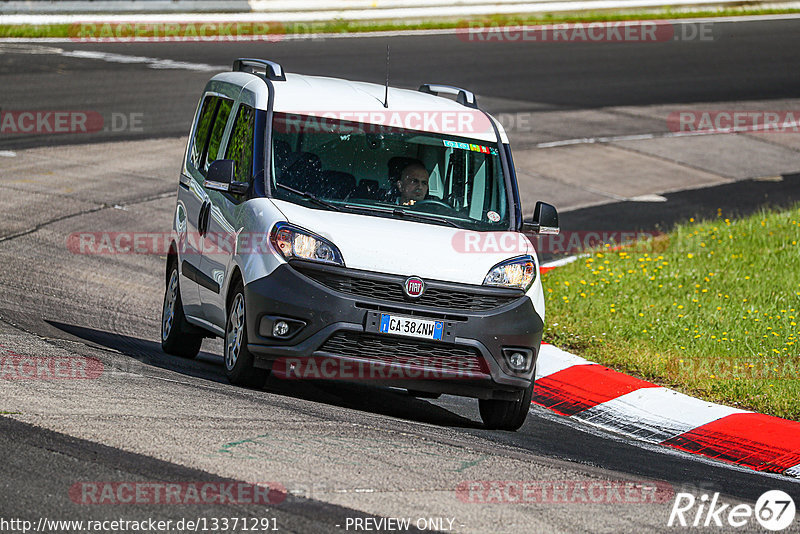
(344, 26)
(710, 309)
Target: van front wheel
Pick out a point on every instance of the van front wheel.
(238, 360)
(503, 414)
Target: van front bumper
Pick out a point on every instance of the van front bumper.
(334, 314)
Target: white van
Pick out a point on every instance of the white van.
(330, 229)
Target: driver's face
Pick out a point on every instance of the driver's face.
(413, 184)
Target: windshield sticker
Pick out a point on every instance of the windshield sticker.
(473, 148)
(493, 216)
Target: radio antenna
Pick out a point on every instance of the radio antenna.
(386, 93)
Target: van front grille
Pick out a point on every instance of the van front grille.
(390, 288)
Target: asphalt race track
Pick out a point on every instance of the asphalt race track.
(744, 61)
(341, 451)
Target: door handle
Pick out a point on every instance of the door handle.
(202, 218)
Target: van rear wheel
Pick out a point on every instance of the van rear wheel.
(174, 338)
(503, 414)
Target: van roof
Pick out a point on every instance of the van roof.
(364, 102)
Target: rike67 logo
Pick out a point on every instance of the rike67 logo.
(774, 510)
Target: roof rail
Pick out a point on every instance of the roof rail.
(463, 97)
(272, 70)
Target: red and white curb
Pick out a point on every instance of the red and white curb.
(577, 388)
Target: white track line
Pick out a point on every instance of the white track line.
(152, 62)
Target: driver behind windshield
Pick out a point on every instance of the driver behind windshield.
(413, 183)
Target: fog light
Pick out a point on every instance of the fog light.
(280, 329)
(519, 360)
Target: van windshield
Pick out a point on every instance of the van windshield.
(388, 171)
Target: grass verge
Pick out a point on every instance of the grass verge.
(344, 26)
(710, 309)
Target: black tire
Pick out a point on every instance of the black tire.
(175, 339)
(423, 394)
(238, 360)
(506, 415)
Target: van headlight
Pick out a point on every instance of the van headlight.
(517, 273)
(295, 243)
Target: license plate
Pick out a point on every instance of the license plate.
(411, 326)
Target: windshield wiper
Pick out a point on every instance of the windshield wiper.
(420, 217)
(400, 212)
(309, 196)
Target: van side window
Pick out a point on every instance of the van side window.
(240, 146)
(200, 141)
(221, 119)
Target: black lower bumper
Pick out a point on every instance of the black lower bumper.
(331, 324)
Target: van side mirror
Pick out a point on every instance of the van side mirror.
(545, 220)
(220, 177)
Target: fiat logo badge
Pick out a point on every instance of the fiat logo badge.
(414, 287)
